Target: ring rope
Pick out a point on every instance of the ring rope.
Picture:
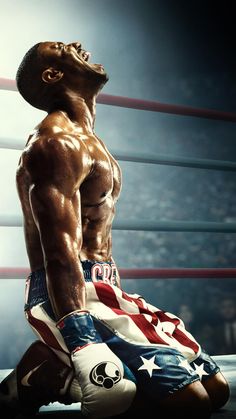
(180, 161)
(155, 273)
(146, 105)
(146, 225)
(166, 160)
(177, 226)
(8, 84)
(14, 145)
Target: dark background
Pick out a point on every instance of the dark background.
(179, 52)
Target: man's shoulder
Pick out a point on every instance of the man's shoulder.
(51, 155)
(53, 144)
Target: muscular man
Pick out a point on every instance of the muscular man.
(118, 352)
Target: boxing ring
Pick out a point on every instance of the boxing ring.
(226, 362)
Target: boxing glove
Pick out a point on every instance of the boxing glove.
(108, 386)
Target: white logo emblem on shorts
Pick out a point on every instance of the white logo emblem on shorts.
(25, 379)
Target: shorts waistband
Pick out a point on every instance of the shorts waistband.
(36, 287)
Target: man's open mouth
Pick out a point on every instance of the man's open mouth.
(85, 55)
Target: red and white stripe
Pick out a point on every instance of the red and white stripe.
(138, 322)
(129, 315)
(46, 329)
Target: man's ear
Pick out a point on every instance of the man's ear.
(51, 75)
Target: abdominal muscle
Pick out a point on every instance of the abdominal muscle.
(96, 228)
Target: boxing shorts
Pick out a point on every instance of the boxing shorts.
(153, 343)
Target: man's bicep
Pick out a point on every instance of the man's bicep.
(57, 217)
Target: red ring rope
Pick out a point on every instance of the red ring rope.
(8, 84)
(141, 273)
(146, 105)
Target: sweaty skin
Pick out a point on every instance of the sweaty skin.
(68, 183)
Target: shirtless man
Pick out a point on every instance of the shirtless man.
(110, 350)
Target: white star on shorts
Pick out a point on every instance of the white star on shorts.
(200, 370)
(185, 364)
(149, 365)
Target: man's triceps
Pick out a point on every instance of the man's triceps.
(61, 239)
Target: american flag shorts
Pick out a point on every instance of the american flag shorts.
(153, 343)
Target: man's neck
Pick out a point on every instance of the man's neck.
(80, 109)
(83, 112)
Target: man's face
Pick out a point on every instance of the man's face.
(227, 309)
(71, 57)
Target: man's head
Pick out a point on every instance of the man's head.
(227, 308)
(48, 69)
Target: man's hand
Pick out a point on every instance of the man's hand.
(108, 386)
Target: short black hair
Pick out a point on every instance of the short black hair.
(29, 81)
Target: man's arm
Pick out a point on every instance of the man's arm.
(61, 239)
(55, 203)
